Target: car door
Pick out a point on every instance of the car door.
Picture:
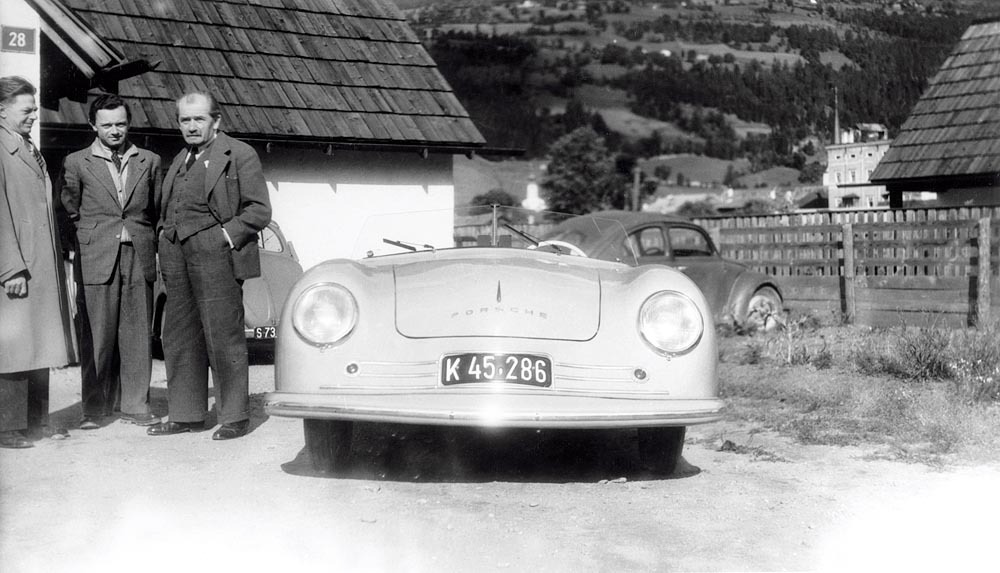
(693, 253)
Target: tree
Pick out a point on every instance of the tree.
(579, 173)
(695, 209)
(812, 173)
(495, 197)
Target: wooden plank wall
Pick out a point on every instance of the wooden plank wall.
(883, 268)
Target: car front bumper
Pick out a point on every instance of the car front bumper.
(488, 407)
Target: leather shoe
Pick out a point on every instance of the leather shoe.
(170, 428)
(145, 419)
(89, 423)
(232, 430)
(14, 440)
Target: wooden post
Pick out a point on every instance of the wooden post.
(847, 239)
(983, 300)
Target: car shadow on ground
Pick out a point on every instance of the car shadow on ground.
(432, 454)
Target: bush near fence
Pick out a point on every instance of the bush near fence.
(875, 267)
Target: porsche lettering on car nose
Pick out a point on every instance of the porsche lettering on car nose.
(501, 309)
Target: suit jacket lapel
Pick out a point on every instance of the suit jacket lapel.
(217, 160)
(97, 167)
(168, 181)
(136, 170)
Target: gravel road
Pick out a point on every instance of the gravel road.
(426, 499)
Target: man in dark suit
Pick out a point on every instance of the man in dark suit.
(214, 203)
(109, 191)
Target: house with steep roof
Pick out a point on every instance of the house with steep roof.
(950, 143)
(347, 110)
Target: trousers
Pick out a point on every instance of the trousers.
(115, 332)
(24, 400)
(203, 328)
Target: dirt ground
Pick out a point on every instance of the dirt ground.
(425, 499)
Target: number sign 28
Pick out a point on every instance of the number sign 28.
(18, 39)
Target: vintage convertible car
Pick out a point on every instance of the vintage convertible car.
(263, 296)
(493, 328)
(735, 293)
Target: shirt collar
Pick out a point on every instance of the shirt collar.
(98, 149)
(203, 148)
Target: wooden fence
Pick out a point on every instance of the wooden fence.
(875, 267)
(878, 267)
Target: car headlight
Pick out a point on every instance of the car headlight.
(324, 314)
(670, 322)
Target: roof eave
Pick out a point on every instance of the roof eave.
(96, 59)
(329, 145)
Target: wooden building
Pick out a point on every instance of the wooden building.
(348, 112)
(950, 143)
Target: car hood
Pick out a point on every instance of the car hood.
(509, 297)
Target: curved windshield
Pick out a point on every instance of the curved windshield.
(490, 227)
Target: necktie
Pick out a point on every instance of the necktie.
(36, 154)
(191, 158)
(117, 160)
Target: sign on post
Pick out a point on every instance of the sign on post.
(15, 39)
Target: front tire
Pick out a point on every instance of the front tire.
(328, 443)
(660, 448)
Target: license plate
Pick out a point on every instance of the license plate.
(529, 369)
(264, 332)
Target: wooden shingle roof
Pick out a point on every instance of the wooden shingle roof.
(328, 71)
(954, 129)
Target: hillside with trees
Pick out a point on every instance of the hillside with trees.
(523, 71)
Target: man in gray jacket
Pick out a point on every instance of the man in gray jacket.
(109, 190)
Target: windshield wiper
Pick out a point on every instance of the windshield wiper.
(522, 234)
(407, 245)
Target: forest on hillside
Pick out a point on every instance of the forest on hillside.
(891, 57)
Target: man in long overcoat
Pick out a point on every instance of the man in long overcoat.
(35, 326)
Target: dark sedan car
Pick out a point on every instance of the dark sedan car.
(263, 296)
(734, 292)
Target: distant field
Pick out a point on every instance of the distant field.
(635, 126)
(774, 177)
(500, 29)
(706, 170)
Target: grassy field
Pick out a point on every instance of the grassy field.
(927, 394)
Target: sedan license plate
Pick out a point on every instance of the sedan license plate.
(529, 369)
(264, 332)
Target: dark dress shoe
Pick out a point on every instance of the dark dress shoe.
(89, 423)
(232, 430)
(170, 428)
(14, 440)
(146, 419)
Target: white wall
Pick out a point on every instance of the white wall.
(18, 14)
(322, 202)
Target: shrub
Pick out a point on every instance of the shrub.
(975, 364)
(914, 353)
(923, 351)
(752, 353)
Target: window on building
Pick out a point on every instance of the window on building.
(854, 176)
(838, 178)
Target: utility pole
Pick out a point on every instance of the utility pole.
(836, 116)
(635, 189)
